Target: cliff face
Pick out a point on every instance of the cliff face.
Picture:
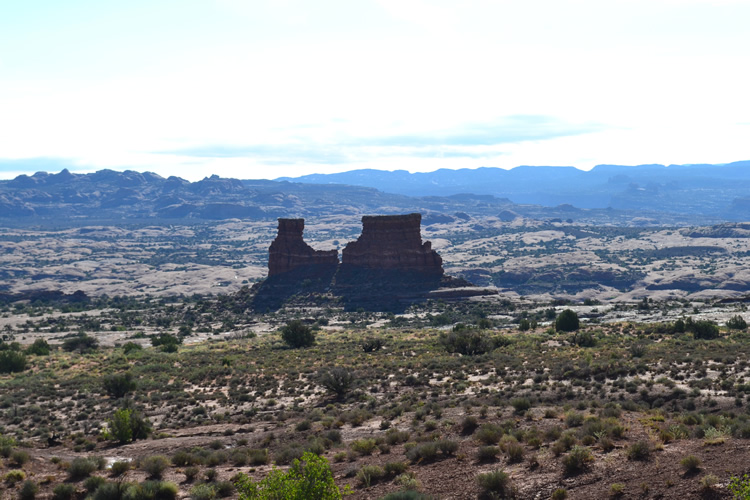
(393, 242)
(289, 251)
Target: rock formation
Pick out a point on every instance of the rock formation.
(289, 251)
(393, 242)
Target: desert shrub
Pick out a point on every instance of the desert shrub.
(92, 483)
(573, 419)
(496, 484)
(14, 476)
(737, 322)
(119, 468)
(369, 474)
(394, 436)
(423, 452)
(406, 495)
(616, 489)
(155, 465)
(524, 325)
(690, 463)
(640, 450)
(12, 361)
(115, 490)
(395, 468)
(487, 453)
(637, 350)
(129, 347)
(19, 457)
(166, 342)
(64, 491)
(337, 380)
(258, 456)
(489, 434)
(297, 334)
(81, 468)
(152, 490)
(520, 405)
(559, 494)
(364, 446)
(224, 488)
(289, 454)
(28, 490)
(469, 341)
(567, 321)
(515, 453)
(117, 385)
(469, 424)
(704, 329)
(205, 491)
(577, 460)
(81, 343)
(584, 339)
(447, 447)
(40, 347)
(371, 345)
(308, 479)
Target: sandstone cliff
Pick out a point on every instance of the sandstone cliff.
(289, 251)
(393, 242)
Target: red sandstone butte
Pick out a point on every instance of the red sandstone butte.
(289, 251)
(393, 242)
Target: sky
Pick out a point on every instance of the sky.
(263, 89)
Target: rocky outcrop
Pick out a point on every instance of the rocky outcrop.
(289, 251)
(391, 242)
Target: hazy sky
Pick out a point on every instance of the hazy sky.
(261, 89)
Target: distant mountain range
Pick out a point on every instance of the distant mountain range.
(678, 194)
(717, 190)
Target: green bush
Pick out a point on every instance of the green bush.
(577, 460)
(640, 450)
(12, 361)
(82, 467)
(92, 483)
(704, 329)
(369, 474)
(297, 334)
(118, 385)
(406, 495)
(307, 479)
(520, 405)
(115, 490)
(691, 464)
(496, 484)
(155, 466)
(127, 425)
(737, 322)
(207, 492)
(148, 490)
(64, 491)
(468, 341)
(740, 487)
(40, 347)
(487, 453)
(119, 468)
(364, 446)
(28, 490)
(14, 476)
(81, 343)
(337, 380)
(567, 321)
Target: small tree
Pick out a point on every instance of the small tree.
(128, 425)
(337, 380)
(81, 343)
(297, 334)
(307, 479)
(40, 347)
(704, 329)
(737, 322)
(118, 385)
(12, 361)
(567, 321)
